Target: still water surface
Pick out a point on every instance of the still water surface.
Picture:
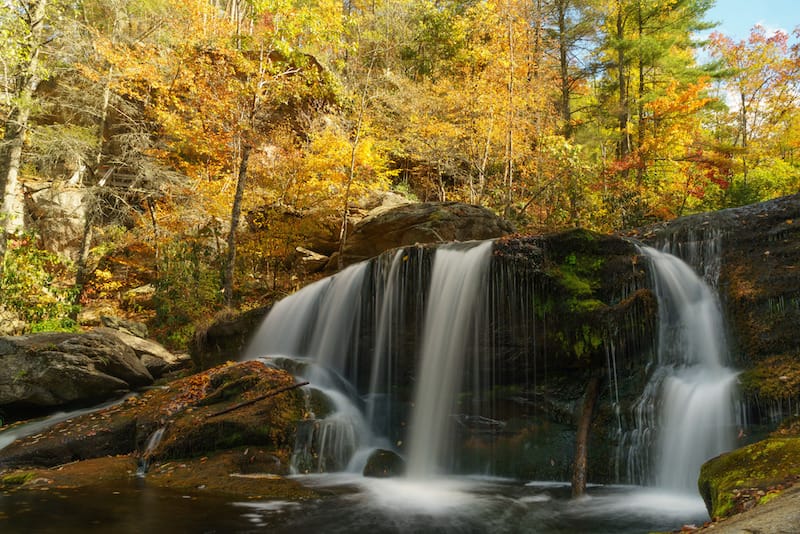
(355, 505)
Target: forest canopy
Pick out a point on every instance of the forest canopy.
(178, 121)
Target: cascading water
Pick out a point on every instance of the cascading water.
(413, 320)
(318, 329)
(689, 401)
(313, 333)
(456, 285)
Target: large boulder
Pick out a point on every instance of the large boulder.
(53, 369)
(383, 463)
(739, 480)
(429, 222)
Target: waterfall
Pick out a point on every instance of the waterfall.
(314, 334)
(456, 284)
(450, 355)
(690, 397)
(318, 330)
(152, 442)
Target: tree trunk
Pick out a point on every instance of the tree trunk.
(236, 213)
(582, 437)
(623, 147)
(17, 126)
(351, 171)
(640, 98)
(509, 171)
(82, 266)
(563, 60)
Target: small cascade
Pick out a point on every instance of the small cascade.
(456, 284)
(688, 405)
(327, 441)
(313, 334)
(152, 442)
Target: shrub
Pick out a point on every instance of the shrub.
(37, 285)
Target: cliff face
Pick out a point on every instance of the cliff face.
(753, 254)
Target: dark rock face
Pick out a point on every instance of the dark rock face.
(430, 222)
(55, 369)
(198, 414)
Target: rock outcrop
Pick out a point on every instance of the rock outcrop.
(754, 253)
(59, 213)
(225, 338)
(54, 369)
(49, 370)
(739, 480)
(246, 404)
(153, 355)
(428, 222)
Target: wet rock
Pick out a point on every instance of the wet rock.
(225, 338)
(384, 463)
(738, 480)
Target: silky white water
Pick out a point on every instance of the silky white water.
(693, 390)
(456, 283)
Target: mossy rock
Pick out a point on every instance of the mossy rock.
(732, 482)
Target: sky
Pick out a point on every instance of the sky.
(736, 17)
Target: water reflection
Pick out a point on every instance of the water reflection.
(354, 504)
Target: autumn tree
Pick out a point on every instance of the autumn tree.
(763, 76)
(25, 33)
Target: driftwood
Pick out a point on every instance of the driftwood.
(266, 395)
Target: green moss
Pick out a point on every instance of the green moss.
(768, 497)
(760, 465)
(579, 275)
(18, 478)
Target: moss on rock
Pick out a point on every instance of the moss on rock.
(738, 480)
